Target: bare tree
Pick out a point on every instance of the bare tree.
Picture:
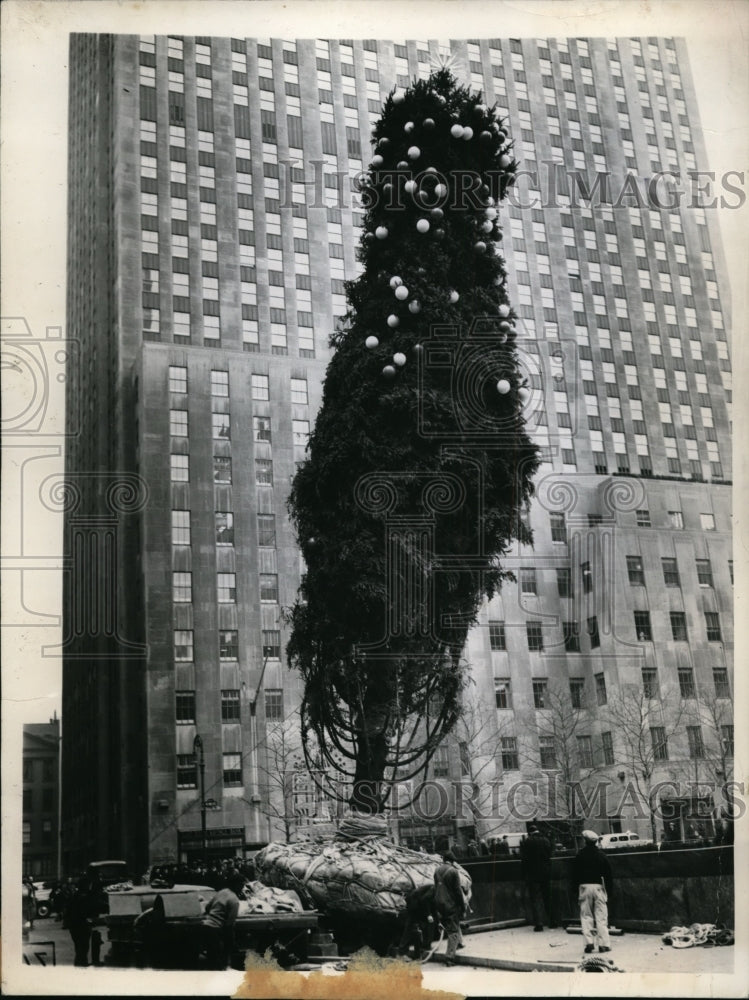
(645, 728)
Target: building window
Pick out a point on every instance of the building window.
(592, 629)
(180, 527)
(585, 751)
(183, 645)
(232, 770)
(181, 588)
(686, 682)
(650, 686)
(577, 691)
(228, 644)
(643, 630)
(503, 692)
(227, 588)
(600, 689)
(704, 573)
(266, 529)
(510, 760)
(528, 581)
(696, 745)
(299, 391)
(261, 428)
(607, 746)
(587, 577)
(441, 762)
(264, 472)
(535, 637)
(269, 588)
(679, 626)
(177, 379)
(221, 425)
(230, 705)
(659, 743)
(26, 805)
(707, 522)
(726, 740)
(676, 519)
(219, 383)
(178, 423)
(635, 571)
(571, 632)
(185, 706)
(271, 644)
(224, 527)
(26, 831)
(540, 693)
(260, 387)
(274, 703)
(712, 625)
(558, 528)
(187, 771)
(221, 469)
(548, 754)
(300, 432)
(670, 572)
(643, 518)
(564, 581)
(497, 636)
(720, 680)
(28, 770)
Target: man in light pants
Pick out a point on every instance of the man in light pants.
(591, 873)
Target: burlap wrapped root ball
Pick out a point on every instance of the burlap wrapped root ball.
(358, 876)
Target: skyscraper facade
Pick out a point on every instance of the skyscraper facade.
(212, 222)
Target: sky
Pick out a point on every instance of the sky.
(34, 117)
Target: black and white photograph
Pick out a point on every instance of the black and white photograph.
(369, 505)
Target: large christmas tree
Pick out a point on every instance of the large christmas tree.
(419, 463)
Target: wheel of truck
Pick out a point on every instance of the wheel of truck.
(42, 909)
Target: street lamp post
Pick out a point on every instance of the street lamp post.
(197, 749)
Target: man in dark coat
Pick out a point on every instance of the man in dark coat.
(535, 869)
(450, 902)
(79, 917)
(591, 874)
(421, 919)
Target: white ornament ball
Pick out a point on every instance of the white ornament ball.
(491, 213)
(383, 142)
(504, 161)
(456, 131)
(503, 386)
(503, 338)
(410, 186)
(393, 321)
(388, 371)
(372, 342)
(524, 395)
(486, 227)
(377, 160)
(429, 123)
(395, 281)
(454, 296)
(441, 99)
(399, 97)
(399, 359)
(403, 165)
(381, 233)
(430, 170)
(414, 306)
(440, 190)
(504, 311)
(401, 293)
(408, 127)
(479, 246)
(418, 349)
(423, 226)
(414, 152)
(480, 109)
(467, 133)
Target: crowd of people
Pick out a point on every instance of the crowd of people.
(214, 873)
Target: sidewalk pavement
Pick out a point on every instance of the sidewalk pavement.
(521, 949)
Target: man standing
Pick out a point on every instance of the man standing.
(450, 902)
(79, 917)
(218, 923)
(535, 869)
(591, 873)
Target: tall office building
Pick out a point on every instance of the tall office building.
(212, 224)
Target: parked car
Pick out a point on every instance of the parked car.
(616, 841)
(42, 892)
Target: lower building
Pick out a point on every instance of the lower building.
(41, 757)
